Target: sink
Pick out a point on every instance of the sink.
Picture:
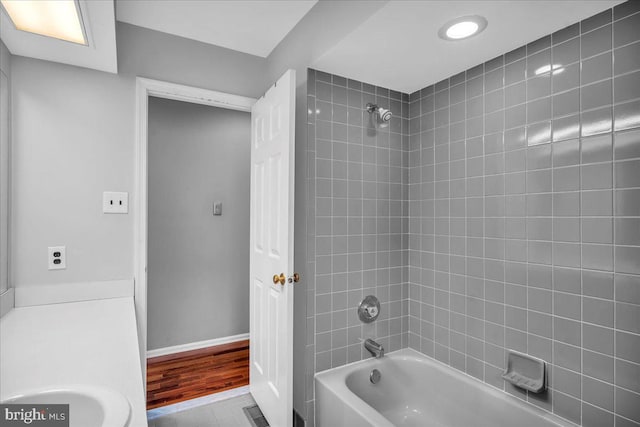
(89, 406)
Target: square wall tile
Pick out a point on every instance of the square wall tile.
(501, 211)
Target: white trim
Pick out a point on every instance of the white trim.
(26, 296)
(196, 345)
(144, 89)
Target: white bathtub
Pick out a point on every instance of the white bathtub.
(415, 390)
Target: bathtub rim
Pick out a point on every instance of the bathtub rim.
(337, 385)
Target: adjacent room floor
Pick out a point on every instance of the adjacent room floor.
(188, 375)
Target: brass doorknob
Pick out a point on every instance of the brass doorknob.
(295, 278)
(279, 279)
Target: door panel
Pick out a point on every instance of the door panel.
(272, 154)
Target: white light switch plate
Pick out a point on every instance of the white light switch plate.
(57, 257)
(115, 202)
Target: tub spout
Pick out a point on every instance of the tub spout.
(374, 348)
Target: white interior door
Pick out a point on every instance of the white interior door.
(271, 327)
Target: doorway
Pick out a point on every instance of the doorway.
(271, 232)
(198, 250)
(189, 142)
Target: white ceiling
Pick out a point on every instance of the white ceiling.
(100, 54)
(249, 26)
(399, 48)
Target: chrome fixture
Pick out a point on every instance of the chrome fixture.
(385, 115)
(374, 348)
(375, 376)
(369, 309)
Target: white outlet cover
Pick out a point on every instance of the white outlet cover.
(59, 254)
(115, 202)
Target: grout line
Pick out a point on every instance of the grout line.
(613, 211)
(580, 199)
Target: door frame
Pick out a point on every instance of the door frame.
(159, 89)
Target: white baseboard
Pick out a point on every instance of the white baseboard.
(196, 345)
(26, 296)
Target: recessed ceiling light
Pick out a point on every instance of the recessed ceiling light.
(462, 28)
(59, 19)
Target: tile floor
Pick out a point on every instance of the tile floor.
(225, 413)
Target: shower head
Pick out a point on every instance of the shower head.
(385, 115)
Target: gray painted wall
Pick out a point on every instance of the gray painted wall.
(198, 270)
(73, 138)
(525, 222)
(161, 56)
(76, 128)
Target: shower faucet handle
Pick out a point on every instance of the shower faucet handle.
(369, 309)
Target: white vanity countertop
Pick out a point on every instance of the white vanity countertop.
(88, 342)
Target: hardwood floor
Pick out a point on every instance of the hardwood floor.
(182, 376)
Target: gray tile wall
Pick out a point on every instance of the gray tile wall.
(524, 217)
(357, 221)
